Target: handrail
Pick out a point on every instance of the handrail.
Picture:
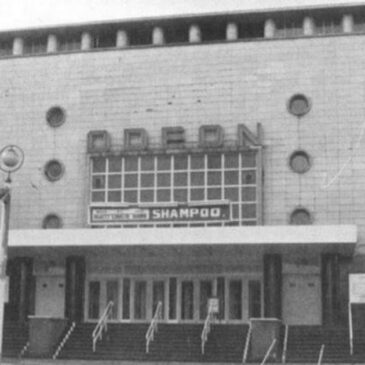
(247, 344)
(64, 340)
(153, 326)
(268, 352)
(285, 345)
(320, 357)
(206, 329)
(102, 324)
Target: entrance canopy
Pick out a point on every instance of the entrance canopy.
(343, 237)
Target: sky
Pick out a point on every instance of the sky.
(22, 14)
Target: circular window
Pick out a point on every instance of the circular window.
(53, 170)
(52, 221)
(299, 105)
(300, 217)
(55, 116)
(300, 162)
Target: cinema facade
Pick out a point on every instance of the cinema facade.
(192, 171)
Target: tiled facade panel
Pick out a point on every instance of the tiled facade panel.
(226, 84)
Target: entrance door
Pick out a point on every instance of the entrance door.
(301, 299)
(50, 296)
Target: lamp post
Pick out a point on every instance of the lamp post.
(11, 159)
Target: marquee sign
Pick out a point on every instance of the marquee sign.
(180, 213)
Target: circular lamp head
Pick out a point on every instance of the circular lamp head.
(11, 158)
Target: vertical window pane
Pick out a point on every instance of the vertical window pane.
(180, 195)
(140, 291)
(130, 180)
(163, 180)
(98, 182)
(248, 177)
(197, 194)
(254, 303)
(112, 295)
(187, 300)
(205, 293)
(235, 299)
(115, 164)
(249, 159)
(172, 298)
(94, 299)
(197, 178)
(221, 297)
(158, 294)
(231, 160)
(126, 298)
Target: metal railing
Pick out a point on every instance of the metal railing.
(320, 357)
(206, 329)
(64, 340)
(153, 326)
(102, 325)
(285, 344)
(247, 344)
(268, 351)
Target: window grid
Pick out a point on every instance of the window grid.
(212, 183)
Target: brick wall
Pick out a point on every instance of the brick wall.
(226, 84)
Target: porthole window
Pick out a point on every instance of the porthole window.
(53, 170)
(52, 221)
(300, 217)
(299, 105)
(55, 116)
(299, 162)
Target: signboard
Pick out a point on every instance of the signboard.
(213, 305)
(357, 288)
(180, 213)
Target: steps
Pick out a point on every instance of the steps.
(15, 336)
(173, 342)
(304, 344)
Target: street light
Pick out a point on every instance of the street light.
(11, 159)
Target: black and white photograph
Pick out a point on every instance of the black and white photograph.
(182, 182)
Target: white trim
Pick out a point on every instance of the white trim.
(267, 235)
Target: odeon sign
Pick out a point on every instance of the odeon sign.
(105, 214)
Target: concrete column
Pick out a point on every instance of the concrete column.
(86, 41)
(122, 39)
(52, 44)
(308, 26)
(269, 30)
(272, 285)
(231, 32)
(18, 46)
(347, 23)
(195, 34)
(158, 36)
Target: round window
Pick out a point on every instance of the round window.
(53, 170)
(300, 216)
(299, 162)
(52, 221)
(299, 105)
(55, 116)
